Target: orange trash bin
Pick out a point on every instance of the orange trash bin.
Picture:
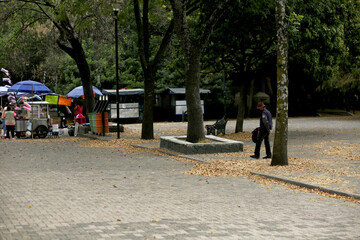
(99, 122)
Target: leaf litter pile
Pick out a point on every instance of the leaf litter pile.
(324, 168)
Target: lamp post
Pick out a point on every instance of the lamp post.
(116, 11)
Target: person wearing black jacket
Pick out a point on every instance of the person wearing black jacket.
(264, 131)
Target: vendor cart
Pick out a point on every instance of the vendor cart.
(35, 122)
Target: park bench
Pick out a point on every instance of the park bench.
(218, 126)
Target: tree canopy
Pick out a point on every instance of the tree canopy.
(324, 49)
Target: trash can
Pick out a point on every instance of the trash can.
(92, 122)
(101, 123)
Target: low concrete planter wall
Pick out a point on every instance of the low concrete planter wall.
(218, 145)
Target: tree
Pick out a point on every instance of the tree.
(340, 59)
(280, 156)
(69, 18)
(322, 55)
(192, 45)
(148, 65)
(243, 45)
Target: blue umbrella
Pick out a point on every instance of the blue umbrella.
(79, 91)
(29, 86)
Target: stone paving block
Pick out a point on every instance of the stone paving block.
(62, 182)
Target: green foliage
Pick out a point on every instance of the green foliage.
(324, 45)
(327, 35)
(243, 45)
(294, 22)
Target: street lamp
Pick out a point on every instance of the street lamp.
(116, 11)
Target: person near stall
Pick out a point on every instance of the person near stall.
(10, 120)
(78, 109)
(78, 114)
(3, 121)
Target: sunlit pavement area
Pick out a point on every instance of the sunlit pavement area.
(76, 188)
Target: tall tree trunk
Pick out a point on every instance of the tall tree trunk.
(147, 130)
(149, 68)
(250, 98)
(241, 108)
(192, 48)
(280, 156)
(84, 70)
(195, 129)
(72, 46)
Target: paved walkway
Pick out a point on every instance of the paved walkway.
(60, 189)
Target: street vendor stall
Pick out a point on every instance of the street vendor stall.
(33, 120)
(33, 117)
(59, 110)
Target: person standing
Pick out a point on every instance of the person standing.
(1, 124)
(78, 109)
(10, 117)
(264, 131)
(3, 120)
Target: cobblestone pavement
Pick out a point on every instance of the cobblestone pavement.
(57, 189)
(330, 142)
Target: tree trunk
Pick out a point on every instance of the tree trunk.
(250, 97)
(280, 156)
(192, 47)
(149, 68)
(68, 42)
(84, 70)
(77, 53)
(241, 108)
(147, 130)
(195, 129)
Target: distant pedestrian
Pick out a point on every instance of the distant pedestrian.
(10, 117)
(264, 131)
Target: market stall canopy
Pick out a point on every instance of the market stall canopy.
(29, 86)
(182, 91)
(135, 91)
(3, 91)
(79, 92)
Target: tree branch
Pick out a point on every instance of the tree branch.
(140, 34)
(66, 49)
(43, 3)
(181, 25)
(146, 28)
(192, 7)
(213, 19)
(165, 42)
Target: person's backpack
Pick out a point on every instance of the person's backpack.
(255, 134)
